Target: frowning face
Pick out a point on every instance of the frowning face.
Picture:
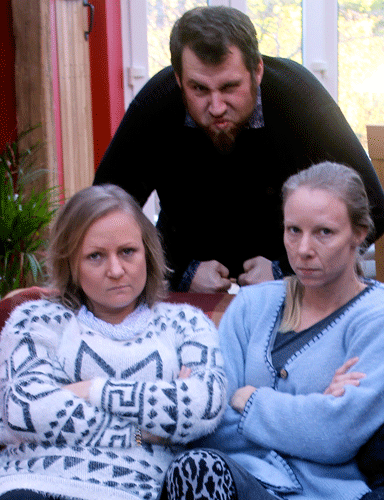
(220, 98)
(319, 238)
(112, 270)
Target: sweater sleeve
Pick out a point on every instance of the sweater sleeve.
(36, 406)
(183, 409)
(314, 426)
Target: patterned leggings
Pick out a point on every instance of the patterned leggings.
(200, 475)
(26, 495)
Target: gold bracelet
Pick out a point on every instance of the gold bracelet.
(138, 436)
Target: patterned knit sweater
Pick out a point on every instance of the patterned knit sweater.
(61, 444)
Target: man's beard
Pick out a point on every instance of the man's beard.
(223, 141)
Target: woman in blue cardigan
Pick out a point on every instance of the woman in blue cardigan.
(295, 419)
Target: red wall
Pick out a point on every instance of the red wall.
(106, 58)
(7, 81)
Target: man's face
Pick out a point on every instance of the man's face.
(220, 98)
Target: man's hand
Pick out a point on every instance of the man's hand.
(257, 270)
(342, 378)
(211, 277)
(241, 396)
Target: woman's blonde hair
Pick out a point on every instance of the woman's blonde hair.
(67, 235)
(346, 184)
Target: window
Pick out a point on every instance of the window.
(361, 63)
(279, 27)
(161, 15)
(278, 24)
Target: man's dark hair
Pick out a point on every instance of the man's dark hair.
(209, 31)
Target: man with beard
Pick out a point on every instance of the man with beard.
(217, 134)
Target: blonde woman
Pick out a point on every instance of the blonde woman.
(296, 417)
(102, 386)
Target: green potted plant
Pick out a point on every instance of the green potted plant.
(25, 214)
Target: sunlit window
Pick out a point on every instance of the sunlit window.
(162, 15)
(278, 24)
(279, 27)
(361, 63)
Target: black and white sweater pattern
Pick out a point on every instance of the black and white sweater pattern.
(63, 445)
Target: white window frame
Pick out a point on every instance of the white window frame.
(135, 47)
(320, 37)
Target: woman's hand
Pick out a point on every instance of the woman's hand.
(336, 388)
(341, 378)
(147, 437)
(81, 389)
(184, 372)
(241, 396)
(151, 438)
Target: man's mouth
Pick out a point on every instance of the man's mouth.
(221, 124)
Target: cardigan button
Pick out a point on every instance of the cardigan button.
(283, 373)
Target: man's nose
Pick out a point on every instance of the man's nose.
(217, 106)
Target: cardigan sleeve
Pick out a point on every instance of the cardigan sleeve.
(183, 409)
(36, 406)
(314, 426)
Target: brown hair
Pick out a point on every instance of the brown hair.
(345, 183)
(209, 31)
(71, 225)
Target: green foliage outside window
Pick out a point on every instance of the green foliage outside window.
(162, 14)
(278, 25)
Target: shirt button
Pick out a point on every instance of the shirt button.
(283, 373)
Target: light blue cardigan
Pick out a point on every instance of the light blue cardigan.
(298, 442)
